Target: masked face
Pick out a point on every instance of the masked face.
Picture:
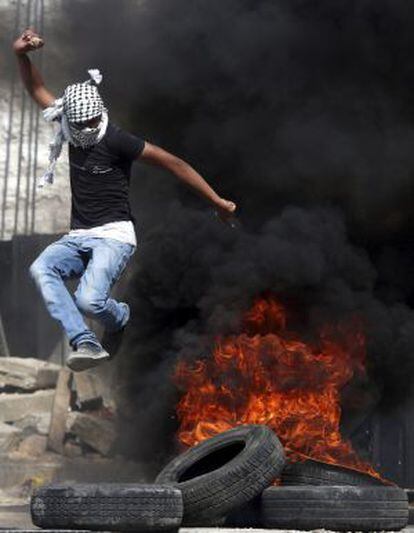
(86, 133)
(90, 124)
(85, 113)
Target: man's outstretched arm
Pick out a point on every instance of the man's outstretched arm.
(186, 173)
(28, 41)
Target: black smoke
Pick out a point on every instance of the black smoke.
(299, 110)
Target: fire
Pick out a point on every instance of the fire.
(270, 375)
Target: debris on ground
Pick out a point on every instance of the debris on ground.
(44, 407)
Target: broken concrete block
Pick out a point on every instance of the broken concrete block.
(27, 373)
(96, 432)
(10, 437)
(35, 423)
(70, 449)
(88, 388)
(14, 406)
(33, 446)
(60, 410)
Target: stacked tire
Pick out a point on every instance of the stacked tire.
(227, 480)
(225, 472)
(199, 487)
(107, 506)
(314, 495)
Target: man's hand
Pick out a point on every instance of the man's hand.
(29, 40)
(226, 206)
(225, 210)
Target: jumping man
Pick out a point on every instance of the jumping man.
(102, 237)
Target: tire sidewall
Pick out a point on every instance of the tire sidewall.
(250, 435)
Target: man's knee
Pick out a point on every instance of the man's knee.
(89, 303)
(38, 269)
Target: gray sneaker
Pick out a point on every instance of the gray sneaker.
(87, 355)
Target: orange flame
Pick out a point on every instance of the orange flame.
(269, 375)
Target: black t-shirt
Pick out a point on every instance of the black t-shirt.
(99, 178)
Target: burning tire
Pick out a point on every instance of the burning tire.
(225, 472)
(317, 473)
(107, 506)
(338, 508)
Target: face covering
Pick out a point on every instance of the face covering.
(79, 103)
(86, 137)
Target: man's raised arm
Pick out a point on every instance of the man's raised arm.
(28, 41)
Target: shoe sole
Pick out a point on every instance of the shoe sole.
(78, 363)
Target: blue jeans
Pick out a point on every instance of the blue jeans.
(98, 263)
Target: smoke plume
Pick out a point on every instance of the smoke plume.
(301, 112)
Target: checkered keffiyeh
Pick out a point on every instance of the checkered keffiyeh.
(79, 103)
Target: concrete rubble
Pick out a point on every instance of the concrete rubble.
(44, 409)
(38, 422)
(56, 426)
(15, 405)
(98, 433)
(10, 437)
(89, 390)
(33, 446)
(27, 373)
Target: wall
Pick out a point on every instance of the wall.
(24, 135)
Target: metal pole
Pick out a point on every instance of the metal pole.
(10, 128)
(31, 21)
(40, 18)
(21, 138)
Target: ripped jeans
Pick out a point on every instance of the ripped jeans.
(98, 262)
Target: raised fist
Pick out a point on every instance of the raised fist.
(29, 40)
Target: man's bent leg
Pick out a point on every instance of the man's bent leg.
(108, 261)
(59, 261)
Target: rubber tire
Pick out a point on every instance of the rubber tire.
(120, 507)
(317, 473)
(340, 508)
(209, 494)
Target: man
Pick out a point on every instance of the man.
(102, 237)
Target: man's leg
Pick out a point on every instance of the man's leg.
(107, 262)
(60, 261)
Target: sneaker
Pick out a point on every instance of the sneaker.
(87, 355)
